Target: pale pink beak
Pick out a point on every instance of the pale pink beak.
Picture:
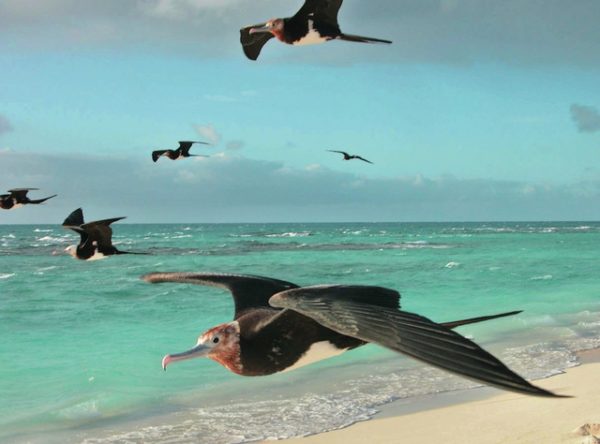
(198, 351)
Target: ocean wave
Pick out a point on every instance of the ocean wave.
(249, 247)
(6, 275)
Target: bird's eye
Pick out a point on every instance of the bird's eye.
(215, 340)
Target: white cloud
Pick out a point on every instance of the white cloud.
(182, 9)
(209, 133)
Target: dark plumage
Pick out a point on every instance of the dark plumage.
(315, 22)
(350, 156)
(179, 153)
(277, 324)
(18, 197)
(96, 237)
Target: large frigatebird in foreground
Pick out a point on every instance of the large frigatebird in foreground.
(279, 326)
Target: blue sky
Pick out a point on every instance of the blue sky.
(480, 110)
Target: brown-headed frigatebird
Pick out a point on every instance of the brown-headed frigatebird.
(18, 197)
(96, 237)
(278, 325)
(350, 156)
(315, 22)
(179, 153)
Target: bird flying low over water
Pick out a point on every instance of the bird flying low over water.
(18, 197)
(350, 156)
(179, 153)
(315, 22)
(96, 237)
(278, 326)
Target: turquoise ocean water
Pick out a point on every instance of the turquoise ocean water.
(82, 342)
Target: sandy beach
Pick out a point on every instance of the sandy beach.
(486, 416)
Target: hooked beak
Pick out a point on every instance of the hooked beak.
(260, 29)
(198, 351)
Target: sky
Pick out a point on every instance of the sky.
(480, 110)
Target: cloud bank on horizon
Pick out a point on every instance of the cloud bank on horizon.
(225, 188)
(423, 31)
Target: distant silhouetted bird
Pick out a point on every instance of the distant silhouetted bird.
(18, 197)
(96, 237)
(315, 22)
(179, 153)
(350, 156)
(279, 326)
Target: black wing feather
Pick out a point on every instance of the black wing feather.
(324, 10)
(403, 332)
(75, 219)
(252, 43)
(248, 291)
(156, 154)
(20, 194)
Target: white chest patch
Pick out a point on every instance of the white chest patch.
(317, 352)
(97, 256)
(312, 38)
(17, 205)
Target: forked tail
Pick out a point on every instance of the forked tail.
(39, 201)
(361, 39)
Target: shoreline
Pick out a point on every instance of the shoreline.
(484, 415)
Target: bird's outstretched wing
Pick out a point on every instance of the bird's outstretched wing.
(20, 193)
(75, 219)
(253, 43)
(325, 10)
(185, 145)
(335, 307)
(157, 154)
(248, 291)
(341, 152)
(100, 231)
(363, 159)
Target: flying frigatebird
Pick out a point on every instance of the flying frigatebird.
(18, 197)
(315, 22)
(96, 237)
(179, 153)
(279, 326)
(350, 156)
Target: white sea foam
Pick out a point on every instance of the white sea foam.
(290, 234)
(543, 277)
(52, 239)
(452, 264)
(6, 275)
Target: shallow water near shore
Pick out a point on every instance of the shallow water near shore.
(83, 341)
